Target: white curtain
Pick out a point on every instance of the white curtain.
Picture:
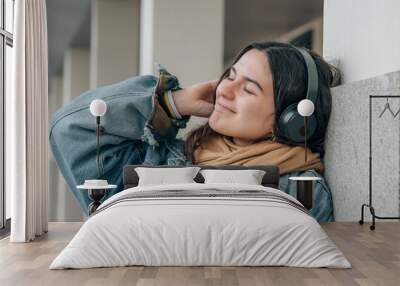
(28, 122)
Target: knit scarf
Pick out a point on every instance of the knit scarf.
(220, 150)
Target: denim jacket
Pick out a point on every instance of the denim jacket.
(137, 131)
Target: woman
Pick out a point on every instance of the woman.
(145, 113)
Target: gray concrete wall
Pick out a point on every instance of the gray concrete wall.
(347, 148)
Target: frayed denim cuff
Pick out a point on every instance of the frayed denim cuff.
(161, 123)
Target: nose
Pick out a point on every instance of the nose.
(229, 89)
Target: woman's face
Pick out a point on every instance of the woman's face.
(244, 107)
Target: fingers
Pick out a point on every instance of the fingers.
(204, 110)
(206, 87)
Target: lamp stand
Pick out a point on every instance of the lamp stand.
(305, 138)
(305, 193)
(99, 131)
(95, 195)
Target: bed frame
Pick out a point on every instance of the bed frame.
(270, 179)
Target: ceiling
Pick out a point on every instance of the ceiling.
(245, 21)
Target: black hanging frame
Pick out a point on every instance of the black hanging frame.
(369, 205)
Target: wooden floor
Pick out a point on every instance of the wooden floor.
(374, 255)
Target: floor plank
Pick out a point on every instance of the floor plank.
(374, 255)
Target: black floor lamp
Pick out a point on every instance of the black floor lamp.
(305, 185)
(97, 188)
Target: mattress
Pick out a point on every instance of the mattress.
(198, 224)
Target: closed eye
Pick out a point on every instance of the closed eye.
(248, 79)
(248, 91)
(231, 77)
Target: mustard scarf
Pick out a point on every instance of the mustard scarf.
(220, 150)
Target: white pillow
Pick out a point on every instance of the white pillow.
(249, 177)
(162, 176)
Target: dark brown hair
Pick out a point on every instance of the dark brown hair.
(289, 85)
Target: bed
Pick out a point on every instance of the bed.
(199, 224)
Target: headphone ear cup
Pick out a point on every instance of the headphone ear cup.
(291, 124)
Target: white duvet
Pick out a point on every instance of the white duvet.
(182, 231)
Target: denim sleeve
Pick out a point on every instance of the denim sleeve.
(135, 130)
(322, 209)
(160, 119)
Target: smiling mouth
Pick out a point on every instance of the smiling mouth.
(220, 107)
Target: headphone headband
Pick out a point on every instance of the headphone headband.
(292, 124)
(312, 75)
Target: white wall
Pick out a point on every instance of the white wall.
(363, 35)
(75, 73)
(114, 41)
(62, 205)
(62, 89)
(187, 38)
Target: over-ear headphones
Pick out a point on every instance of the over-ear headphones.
(291, 122)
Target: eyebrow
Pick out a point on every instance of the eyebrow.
(249, 79)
